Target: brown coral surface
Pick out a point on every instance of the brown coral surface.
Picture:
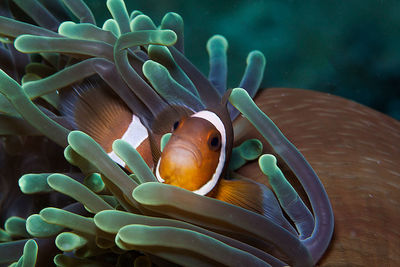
(355, 152)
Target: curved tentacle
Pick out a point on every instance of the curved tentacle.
(288, 197)
(86, 31)
(216, 47)
(190, 207)
(323, 229)
(118, 10)
(43, 44)
(157, 241)
(16, 95)
(113, 221)
(13, 28)
(252, 77)
(174, 21)
(162, 55)
(144, 92)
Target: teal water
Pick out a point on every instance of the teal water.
(347, 48)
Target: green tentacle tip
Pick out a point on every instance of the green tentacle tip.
(172, 18)
(217, 42)
(77, 160)
(94, 182)
(21, 43)
(141, 192)
(29, 77)
(81, 143)
(105, 220)
(256, 57)
(251, 149)
(142, 22)
(67, 28)
(153, 71)
(239, 94)
(159, 37)
(166, 85)
(72, 157)
(34, 183)
(167, 37)
(135, 234)
(248, 150)
(57, 181)
(117, 5)
(78, 191)
(30, 253)
(149, 193)
(16, 226)
(50, 214)
(134, 14)
(120, 3)
(111, 26)
(118, 10)
(164, 140)
(77, 138)
(37, 227)
(159, 52)
(134, 161)
(69, 241)
(267, 164)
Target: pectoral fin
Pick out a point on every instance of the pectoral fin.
(252, 196)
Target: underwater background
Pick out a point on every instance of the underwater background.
(346, 48)
(331, 47)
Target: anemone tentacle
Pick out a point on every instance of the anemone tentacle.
(324, 221)
(81, 11)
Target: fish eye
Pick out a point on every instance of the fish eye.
(214, 141)
(175, 125)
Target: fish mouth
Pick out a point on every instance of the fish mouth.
(185, 151)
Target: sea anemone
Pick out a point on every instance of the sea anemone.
(114, 215)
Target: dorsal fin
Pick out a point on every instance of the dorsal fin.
(101, 114)
(96, 110)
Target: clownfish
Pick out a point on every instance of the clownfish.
(197, 155)
(195, 158)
